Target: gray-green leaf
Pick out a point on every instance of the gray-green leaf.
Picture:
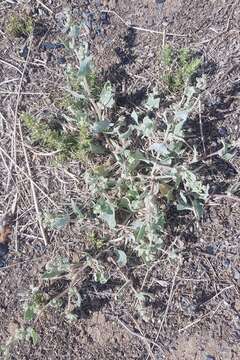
(85, 66)
(101, 126)
(31, 334)
(57, 222)
(100, 277)
(106, 96)
(121, 257)
(152, 102)
(30, 312)
(106, 212)
(160, 148)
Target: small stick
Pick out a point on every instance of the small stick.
(209, 312)
(94, 104)
(23, 93)
(8, 81)
(11, 65)
(40, 153)
(226, 196)
(27, 176)
(145, 339)
(140, 28)
(45, 6)
(35, 200)
(168, 304)
(198, 320)
(201, 126)
(138, 335)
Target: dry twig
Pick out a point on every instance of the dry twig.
(142, 29)
(35, 200)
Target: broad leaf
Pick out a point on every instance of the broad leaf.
(181, 206)
(134, 116)
(106, 96)
(56, 268)
(198, 208)
(147, 127)
(101, 126)
(31, 334)
(76, 210)
(160, 148)
(71, 317)
(178, 129)
(85, 66)
(100, 277)
(73, 293)
(30, 312)
(106, 212)
(57, 222)
(152, 102)
(121, 257)
(182, 115)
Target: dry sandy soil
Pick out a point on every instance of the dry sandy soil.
(195, 314)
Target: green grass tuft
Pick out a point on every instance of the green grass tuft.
(19, 26)
(180, 67)
(70, 146)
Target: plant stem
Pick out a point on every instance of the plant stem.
(93, 102)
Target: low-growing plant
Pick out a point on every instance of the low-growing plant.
(148, 163)
(152, 163)
(26, 332)
(19, 26)
(179, 67)
(75, 145)
(88, 106)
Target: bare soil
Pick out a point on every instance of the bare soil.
(194, 312)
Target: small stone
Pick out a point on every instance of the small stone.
(226, 263)
(105, 18)
(61, 60)
(236, 275)
(210, 250)
(2, 262)
(52, 46)
(237, 305)
(24, 52)
(3, 250)
(223, 132)
(210, 357)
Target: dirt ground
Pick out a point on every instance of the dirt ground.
(195, 310)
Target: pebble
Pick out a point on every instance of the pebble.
(52, 46)
(105, 18)
(24, 52)
(2, 262)
(236, 274)
(226, 263)
(223, 132)
(3, 250)
(210, 357)
(210, 250)
(61, 60)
